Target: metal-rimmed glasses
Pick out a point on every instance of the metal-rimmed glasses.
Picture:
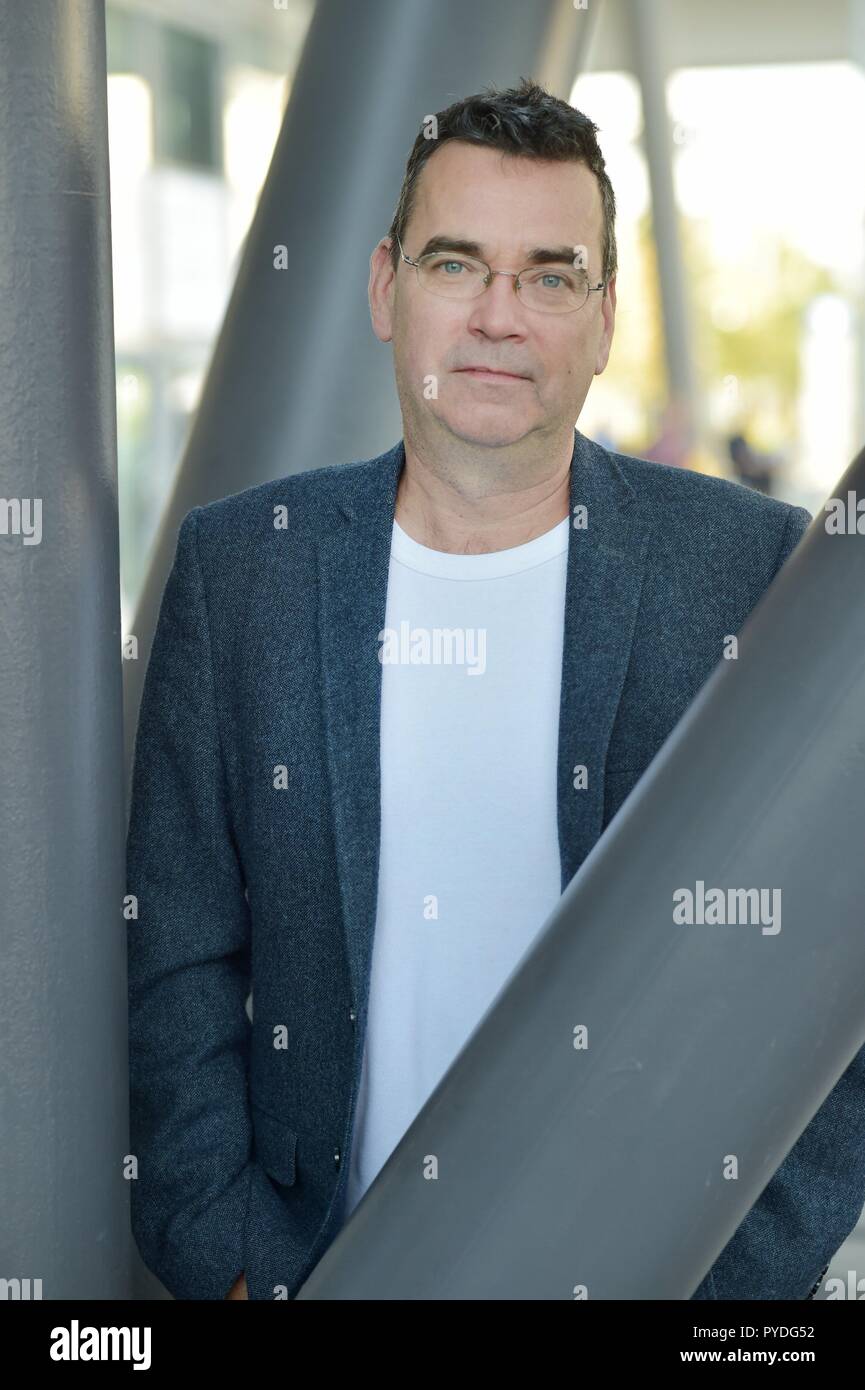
(452, 275)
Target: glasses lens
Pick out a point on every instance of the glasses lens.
(453, 277)
(554, 289)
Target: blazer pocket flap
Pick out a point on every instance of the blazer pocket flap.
(275, 1146)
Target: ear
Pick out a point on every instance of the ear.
(382, 288)
(608, 314)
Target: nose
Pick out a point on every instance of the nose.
(497, 312)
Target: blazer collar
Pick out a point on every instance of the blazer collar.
(605, 566)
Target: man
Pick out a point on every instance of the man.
(368, 689)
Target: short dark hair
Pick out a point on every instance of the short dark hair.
(523, 120)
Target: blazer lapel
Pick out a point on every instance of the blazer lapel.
(606, 562)
(353, 566)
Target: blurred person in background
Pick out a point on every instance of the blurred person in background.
(674, 441)
(753, 468)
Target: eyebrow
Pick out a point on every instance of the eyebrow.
(539, 255)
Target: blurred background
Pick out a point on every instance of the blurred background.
(769, 224)
(196, 95)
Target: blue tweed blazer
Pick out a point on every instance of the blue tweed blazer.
(251, 879)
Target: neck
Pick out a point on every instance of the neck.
(446, 509)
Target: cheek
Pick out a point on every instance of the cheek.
(411, 352)
(427, 342)
(569, 361)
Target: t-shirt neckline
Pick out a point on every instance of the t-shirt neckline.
(492, 565)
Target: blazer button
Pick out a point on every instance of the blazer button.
(352, 1015)
(336, 1158)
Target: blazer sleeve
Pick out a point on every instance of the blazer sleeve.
(188, 952)
(798, 521)
(814, 1200)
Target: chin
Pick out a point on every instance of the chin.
(491, 432)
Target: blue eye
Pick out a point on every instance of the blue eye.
(453, 267)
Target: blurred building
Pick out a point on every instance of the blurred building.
(196, 94)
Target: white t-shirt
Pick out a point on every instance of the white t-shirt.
(469, 868)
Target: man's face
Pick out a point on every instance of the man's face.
(509, 206)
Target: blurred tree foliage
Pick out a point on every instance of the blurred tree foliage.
(746, 321)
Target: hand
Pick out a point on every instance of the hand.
(238, 1288)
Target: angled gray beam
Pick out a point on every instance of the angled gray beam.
(63, 1083)
(603, 1167)
(646, 21)
(297, 378)
(567, 46)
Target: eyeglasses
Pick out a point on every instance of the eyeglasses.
(558, 289)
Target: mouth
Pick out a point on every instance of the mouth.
(486, 374)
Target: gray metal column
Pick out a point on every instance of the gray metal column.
(604, 1166)
(63, 1084)
(297, 379)
(567, 46)
(645, 23)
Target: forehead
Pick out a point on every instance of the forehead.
(506, 202)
